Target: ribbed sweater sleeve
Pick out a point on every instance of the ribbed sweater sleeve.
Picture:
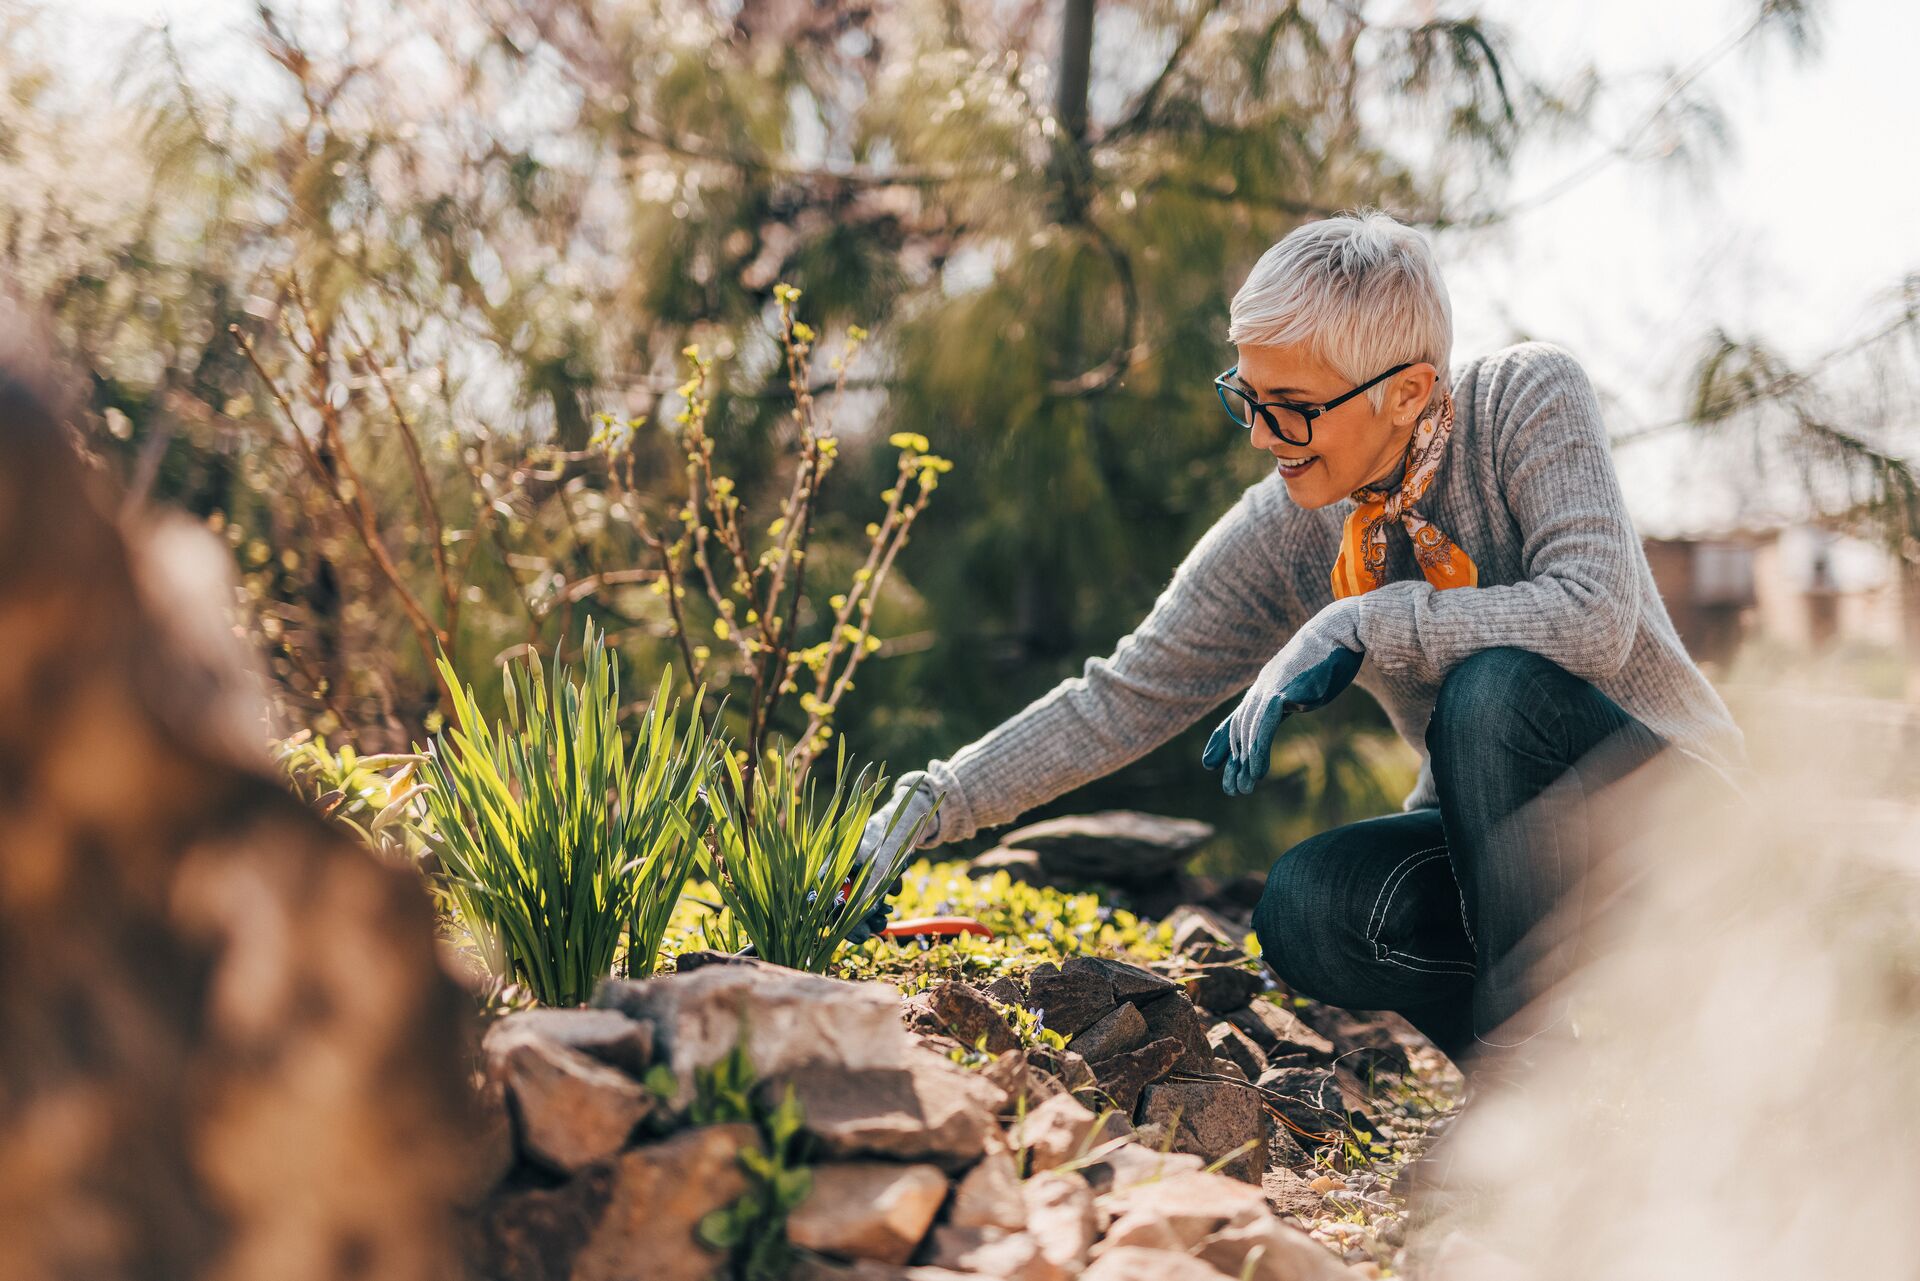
(1578, 603)
(1217, 621)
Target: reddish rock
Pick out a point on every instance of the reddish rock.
(1122, 1030)
(1114, 847)
(1174, 1017)
(1212, 1119)
(1062, 1130)
(533, 1234)
(1024, 1085)
(569, 1110)
(606, 1035)
(1061, 1217)
(1281, 1034)
(660, 1193)
(1222, 989)
(989, 1196)
(1123, 1077)
(791, 1019)
(1234, 1046)
(1070, 1001)
(1131, 983)
(1267, 1250)
(927, 1110)
(959, 1011)
(868, 1210)
(1178, 1212)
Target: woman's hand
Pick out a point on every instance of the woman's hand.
(908, 815)
(1316, 663)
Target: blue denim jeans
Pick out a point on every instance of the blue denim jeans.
(1442, 914)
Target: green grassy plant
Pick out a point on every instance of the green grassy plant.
(779, 863)
(554, 837)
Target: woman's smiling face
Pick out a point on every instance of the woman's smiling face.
(1352, 444)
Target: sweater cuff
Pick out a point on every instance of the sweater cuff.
(954, 820)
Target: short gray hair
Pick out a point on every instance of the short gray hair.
(1362, 289)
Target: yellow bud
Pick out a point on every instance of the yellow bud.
(888, 495)
(720, 629)
(838, 600)
(872, 643)
(873, 529)
(701, 653)
(856, 333)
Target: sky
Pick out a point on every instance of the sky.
(1815, 211)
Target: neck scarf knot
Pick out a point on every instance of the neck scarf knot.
(1362, 563)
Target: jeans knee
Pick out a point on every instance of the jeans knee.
(1299, 929)
(1487, 693)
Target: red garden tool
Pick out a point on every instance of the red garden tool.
(936, 927)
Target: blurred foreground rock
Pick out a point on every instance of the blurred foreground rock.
(229, 1050)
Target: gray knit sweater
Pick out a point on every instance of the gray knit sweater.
(1527, 487)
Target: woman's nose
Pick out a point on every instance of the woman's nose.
(1262, 438)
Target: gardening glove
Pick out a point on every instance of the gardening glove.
(913, 799)
(1315, 664)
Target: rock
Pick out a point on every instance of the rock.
(1196, 927)
(1121, 1030)
(1222, 989)
(1178, 1212)
(1070, 1001)
(1309, 1097)
(988, 1252)
(1211, 1119)
(963, 1013)
(1021, 866)
(1061, 1217)
(1175, 1018)
(1115, 847)
(1132, 1263)
(868, 1210)
(228, 1046)
(1123, 1077)
(1005, 991)
(1365, 1043)
(1230, 1070)
(569, 1110)
(1014, 1075)
(1233, 1045)
(791, 1019)
(1132, 1164)
(1280, 1034)
(926, 1110)
(990, 1196)
(606, 1035)
(1289, 1193)
(660, 1193)
(533, 1234)
(1070, 1068)
(1131, 983)
(1283, 1254)
(1061, 1130)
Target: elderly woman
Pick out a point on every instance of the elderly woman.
(1454, 542)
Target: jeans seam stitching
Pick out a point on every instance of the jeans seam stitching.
(1392, 884)
(1464, 967)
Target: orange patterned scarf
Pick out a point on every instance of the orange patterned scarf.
(1362, 563)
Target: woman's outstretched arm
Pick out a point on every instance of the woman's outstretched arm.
(1223, 614)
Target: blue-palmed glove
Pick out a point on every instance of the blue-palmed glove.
(883, 841)
(1318, 662)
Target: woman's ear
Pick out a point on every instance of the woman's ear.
(1412, 388)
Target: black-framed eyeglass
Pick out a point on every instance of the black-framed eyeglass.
(1241, 406)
